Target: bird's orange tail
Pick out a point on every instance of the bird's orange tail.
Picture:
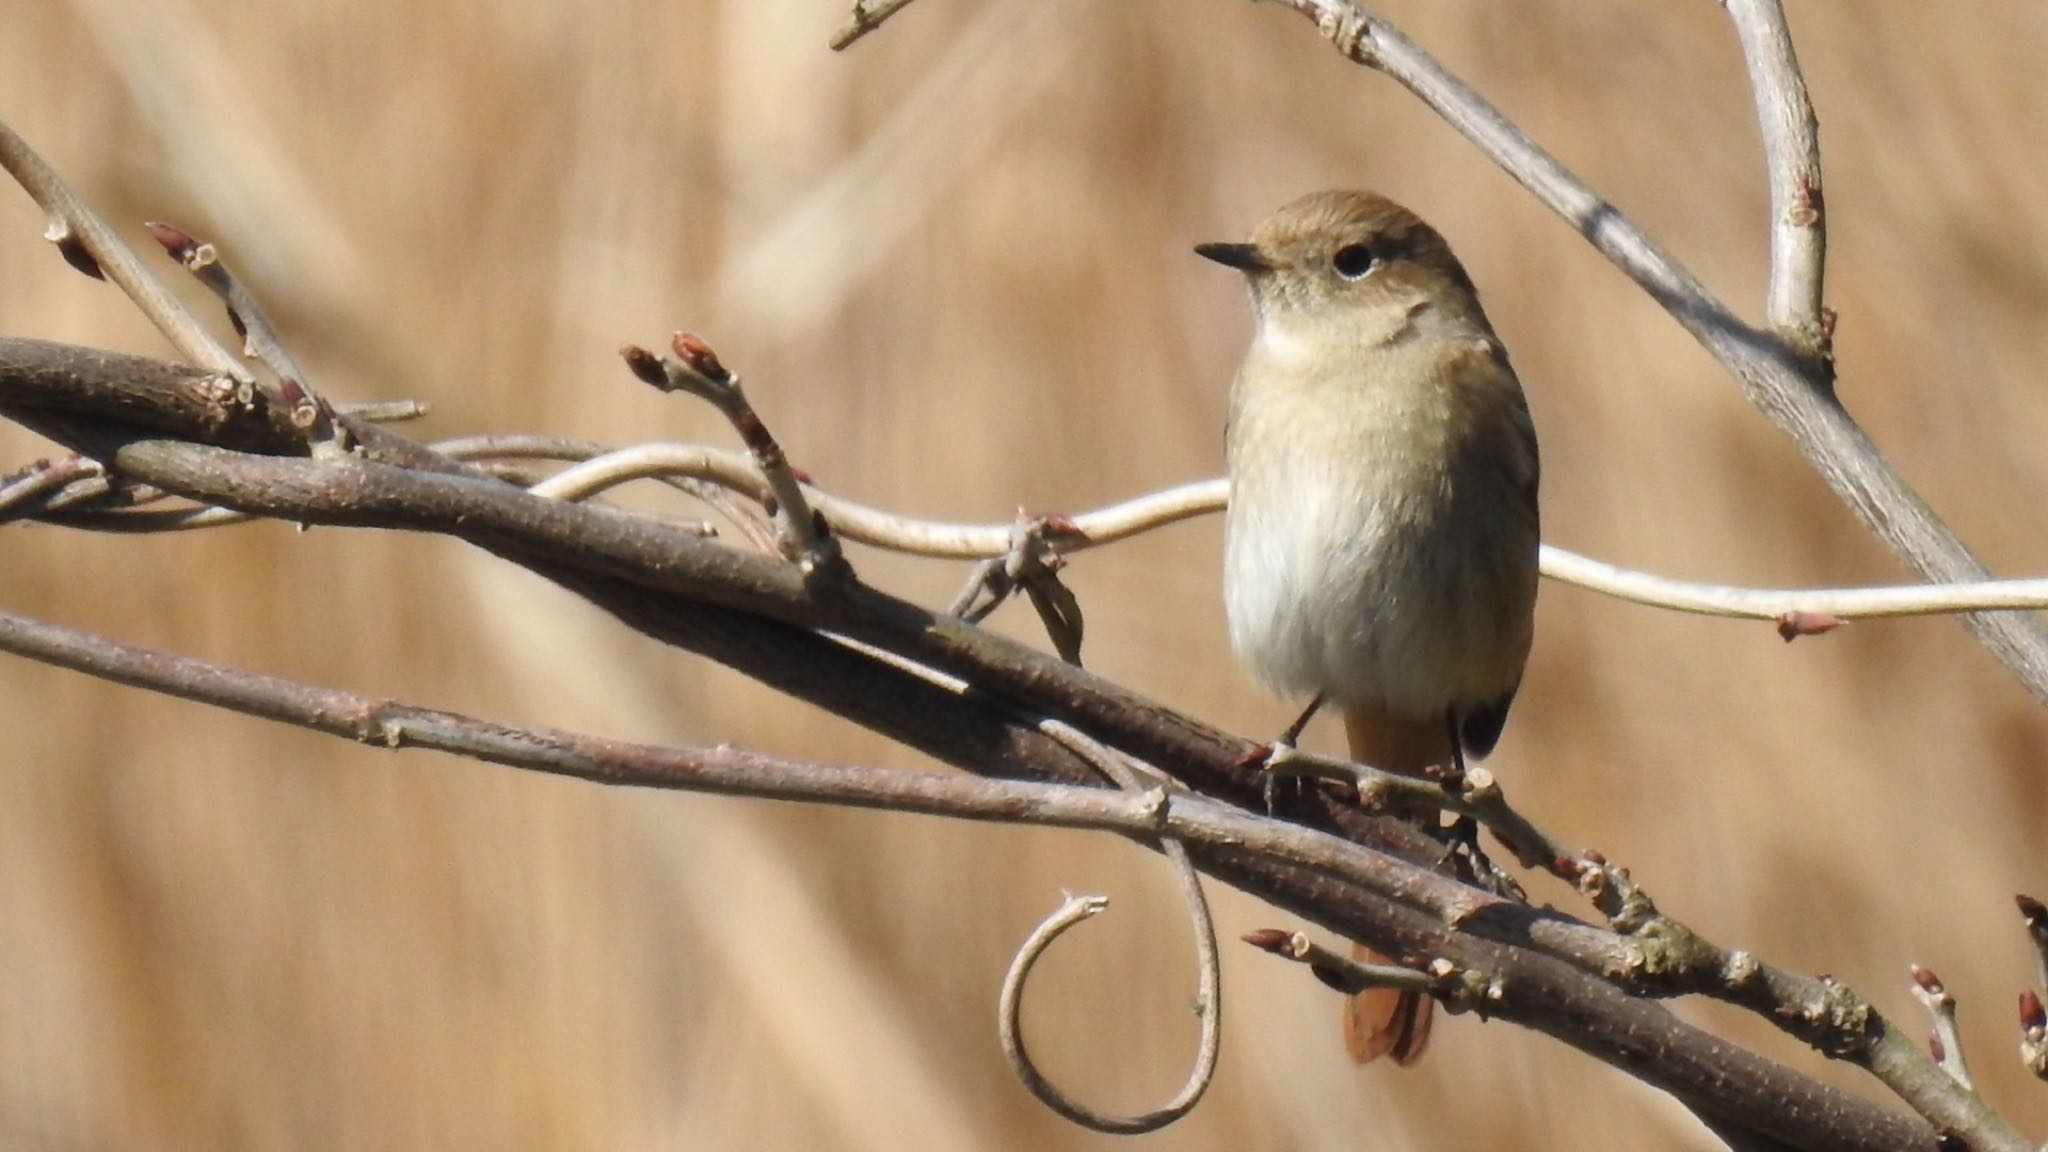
(1381, 1021)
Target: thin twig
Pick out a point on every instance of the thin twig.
(1126, 519)
(1335, 969)
(388, 411)
(1478, 795)
(872, 526)
(1121, 521)
(696, 369)
(89, 245)
(26, 492)
(1775, 604)
(1209, 963)
(147, 522)
(738, 502)
(602, 468)
(309, 412)
(1799, 235)
(866, 18)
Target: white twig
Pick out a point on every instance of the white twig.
(1799, 236)
(1114, 522)
(1776, 603)
(852, 520)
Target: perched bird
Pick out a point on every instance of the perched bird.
(1381, 539)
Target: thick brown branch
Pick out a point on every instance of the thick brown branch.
(757, 614)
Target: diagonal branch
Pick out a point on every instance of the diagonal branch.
(90, 246)
(1789, 385)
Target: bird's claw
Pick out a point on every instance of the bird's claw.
(1279, 761)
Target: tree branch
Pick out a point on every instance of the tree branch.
(1793, 388)
(1799, 235)
(1553, 974)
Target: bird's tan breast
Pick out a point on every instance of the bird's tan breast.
(1381, 537)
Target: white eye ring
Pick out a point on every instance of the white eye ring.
(1353, 261)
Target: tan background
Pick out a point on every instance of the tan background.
(954, 266)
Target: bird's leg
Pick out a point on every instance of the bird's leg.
(1464, 831)
(1274, 756)
(1293, 731)
(1455, 776)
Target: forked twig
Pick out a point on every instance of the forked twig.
(309, 412)
(695, 369)
(93, 248)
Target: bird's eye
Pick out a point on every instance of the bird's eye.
(1353, 261)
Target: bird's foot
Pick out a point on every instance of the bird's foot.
(1281, 762)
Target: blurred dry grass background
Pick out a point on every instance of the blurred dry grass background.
(954, 266)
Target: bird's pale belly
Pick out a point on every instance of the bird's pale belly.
(1420, 627)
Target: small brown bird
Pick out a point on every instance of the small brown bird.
(1381, 540)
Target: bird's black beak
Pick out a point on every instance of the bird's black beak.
(1243, 257)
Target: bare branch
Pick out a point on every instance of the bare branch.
(610, 468)
(696, 370)
(91, 246)
(1563, 977)
(1774, 604)
(32, 488)
(1793, 389)
(389, 411)
(1335, 969)
(866, 18)
(1799, 236)
(1208, 962)
(1124, 520)
(1823, 1012)
(601, 468)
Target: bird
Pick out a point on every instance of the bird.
(1381, 534)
